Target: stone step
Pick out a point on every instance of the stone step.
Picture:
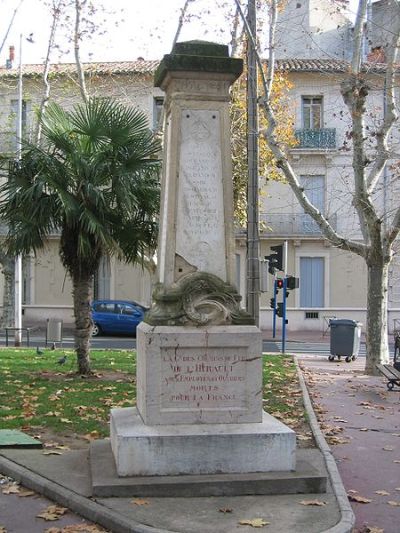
(309, 478)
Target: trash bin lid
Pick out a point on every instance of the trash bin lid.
(334, 322)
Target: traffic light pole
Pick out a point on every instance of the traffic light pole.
(284, 315)
(274, 310)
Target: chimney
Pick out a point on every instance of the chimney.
(10, 60)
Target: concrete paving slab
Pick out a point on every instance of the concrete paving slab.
(285, 514)
(71, 469)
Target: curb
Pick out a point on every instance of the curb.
(85, 507)
(347, 521)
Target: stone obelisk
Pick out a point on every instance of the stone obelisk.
(199, 357)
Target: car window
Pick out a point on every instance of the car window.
(104, 308)
(130, 310)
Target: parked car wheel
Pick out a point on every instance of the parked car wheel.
(96, 331)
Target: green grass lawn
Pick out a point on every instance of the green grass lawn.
(37, 394)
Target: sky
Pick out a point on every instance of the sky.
(131, 29)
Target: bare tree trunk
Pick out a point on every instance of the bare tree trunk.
(81, 293)
(377, 303)
(8, 318)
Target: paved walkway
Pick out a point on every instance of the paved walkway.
(362, 422)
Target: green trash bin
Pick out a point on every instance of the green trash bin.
(345, 338)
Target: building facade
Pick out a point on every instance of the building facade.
(333, 282)
(46, 287)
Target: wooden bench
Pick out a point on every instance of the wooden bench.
(391, 374)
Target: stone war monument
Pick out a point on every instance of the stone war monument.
(199, 355)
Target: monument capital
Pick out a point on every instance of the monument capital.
(198, 57)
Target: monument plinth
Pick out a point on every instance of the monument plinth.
(199, 355)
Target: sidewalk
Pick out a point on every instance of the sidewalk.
(361, 420)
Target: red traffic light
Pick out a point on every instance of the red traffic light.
(279, 283)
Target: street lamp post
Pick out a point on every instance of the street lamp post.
(18, 259)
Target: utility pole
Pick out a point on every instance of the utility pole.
(18, 259)
(253, 262)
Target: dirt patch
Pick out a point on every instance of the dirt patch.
(52, 440)
(120, 377)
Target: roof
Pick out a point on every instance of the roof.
(140, 66)
(325, 65)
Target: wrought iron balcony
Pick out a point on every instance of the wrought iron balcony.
(292, 225)
(322, 139)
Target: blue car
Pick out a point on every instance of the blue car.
(116, 317)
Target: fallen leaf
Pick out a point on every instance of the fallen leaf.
(255, 522)
(48, 516)
(225, 510)
(396, 461)
(23, 493)
(52, 512)
(140, 501)
(397, 488)
(393, 504)
(52, 452)
(358, 499)
(364, 429)
(74, 528)
(3, 529)
(11, 489)
(382, 493)
(312, 502)
(352, 491)
(388, 448)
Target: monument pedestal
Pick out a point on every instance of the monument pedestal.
(141, 450)
(199, 406)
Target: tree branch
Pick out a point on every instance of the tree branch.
(282, 160)
(10, 25)
(46, 96)
(81, 75)
(181, 21)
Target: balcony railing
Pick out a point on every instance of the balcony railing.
(322, 139)
(292, 225)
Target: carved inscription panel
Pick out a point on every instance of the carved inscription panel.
(200, 229)
(196, 378)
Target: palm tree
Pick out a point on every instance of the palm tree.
(95, 181)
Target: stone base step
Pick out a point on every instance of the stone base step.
(106, 483)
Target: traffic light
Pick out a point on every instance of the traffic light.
(272, 304)
(275, 260)
(279, 283)
(278, 256)
(279, 309)
(292, 282)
